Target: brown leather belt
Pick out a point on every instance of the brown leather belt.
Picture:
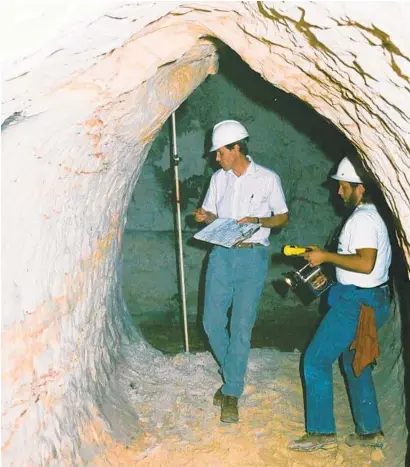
(247, 245)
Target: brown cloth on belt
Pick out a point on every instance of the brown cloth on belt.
(365, 343)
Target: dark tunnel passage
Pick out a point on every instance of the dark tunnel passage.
(287, 135)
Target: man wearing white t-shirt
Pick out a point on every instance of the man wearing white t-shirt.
(362, 266)
(247, 192)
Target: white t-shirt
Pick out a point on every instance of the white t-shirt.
(257, 193)
(365, 229)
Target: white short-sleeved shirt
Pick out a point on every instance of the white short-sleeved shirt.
(257, 193)
(365, 229)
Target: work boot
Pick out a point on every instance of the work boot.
(314, 441)
(229, 409)
(373, 440)
(218, 397)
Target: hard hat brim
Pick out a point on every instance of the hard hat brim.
(347, 179)
(214, 148)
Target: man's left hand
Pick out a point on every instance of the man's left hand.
(250, 220)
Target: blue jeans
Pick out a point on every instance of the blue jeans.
(235, 276)
(332, 340)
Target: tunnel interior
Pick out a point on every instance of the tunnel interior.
(83, 386)
(286, 135)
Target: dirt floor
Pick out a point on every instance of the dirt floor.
(180, 427)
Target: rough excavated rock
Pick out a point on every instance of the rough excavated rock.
(87, 88)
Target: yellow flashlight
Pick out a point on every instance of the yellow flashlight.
(294, 250)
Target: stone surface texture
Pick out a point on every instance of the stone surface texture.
(87, 87)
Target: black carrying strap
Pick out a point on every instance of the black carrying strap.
(333, 239)
(331, 245)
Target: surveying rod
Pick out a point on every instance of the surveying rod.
(178, 205)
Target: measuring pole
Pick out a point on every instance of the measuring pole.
(179, 226)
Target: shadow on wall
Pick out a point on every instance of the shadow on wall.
(399, 282)
(300, 114)
(400, 286)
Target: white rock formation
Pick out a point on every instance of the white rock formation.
(87, 85)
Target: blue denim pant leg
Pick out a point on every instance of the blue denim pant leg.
(333, 337)
(234, 276)
(362, 394)
(218, 298)
(250, 268)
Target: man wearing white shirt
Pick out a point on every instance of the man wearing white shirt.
(247, 192)
(362, 266)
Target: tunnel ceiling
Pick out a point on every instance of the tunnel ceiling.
(352, 70)
(87, 87)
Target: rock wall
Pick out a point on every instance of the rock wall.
(87, 87)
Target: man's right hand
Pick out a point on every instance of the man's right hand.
(315, 255)
(203, 216)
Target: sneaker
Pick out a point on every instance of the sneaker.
(314, 441)
(218, 396)
(373, 440)
(229, 409)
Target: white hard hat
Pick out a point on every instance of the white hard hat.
(346, 172)
(227, 132)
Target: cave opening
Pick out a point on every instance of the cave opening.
(286, 135)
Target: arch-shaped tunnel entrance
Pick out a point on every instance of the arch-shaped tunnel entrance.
(80, 385)
(289, 137)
